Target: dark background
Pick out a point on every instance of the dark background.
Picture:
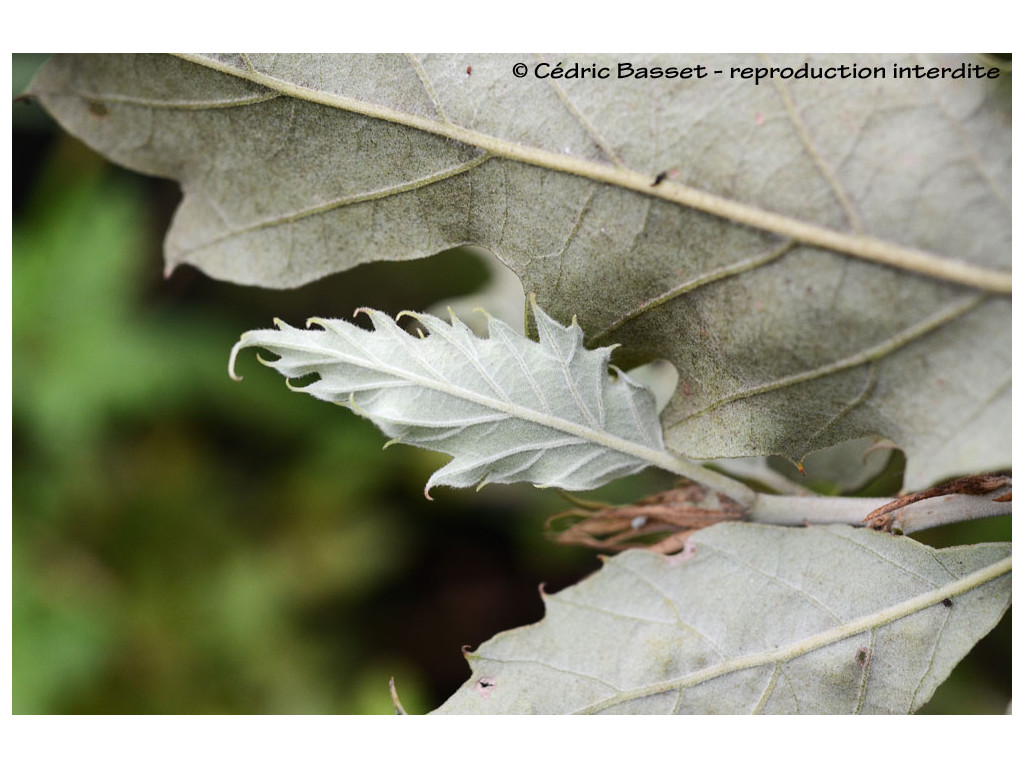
(184, 543)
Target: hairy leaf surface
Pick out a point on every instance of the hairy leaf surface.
(750, 619)
(506, 408)
(820, 259)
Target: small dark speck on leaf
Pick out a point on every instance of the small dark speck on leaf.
(484, 686)
(469, 70)
(660, 178)
(862, 656)
(98, 108)
(947, 602)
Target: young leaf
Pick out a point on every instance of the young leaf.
(750, 619)
(506, 408)
(822, 260)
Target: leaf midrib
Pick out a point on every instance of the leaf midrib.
(509, 407)
(814, 642)
(659, 457)
(859, 246)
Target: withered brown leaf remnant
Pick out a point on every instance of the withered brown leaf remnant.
(399, 709)
(659, 523)
(883, 518)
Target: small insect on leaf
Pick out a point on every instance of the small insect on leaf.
(98, 108)
(863, 656)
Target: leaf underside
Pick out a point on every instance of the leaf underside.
(750, 619)
(297, 166)
(507, 409)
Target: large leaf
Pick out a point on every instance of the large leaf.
(826, 259)
(506, 408)
(750, 619)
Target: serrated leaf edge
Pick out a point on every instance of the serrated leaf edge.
(659, 457)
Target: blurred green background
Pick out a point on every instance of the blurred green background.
(184, 543)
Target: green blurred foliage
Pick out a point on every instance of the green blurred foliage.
(189, 544)
(147, 577)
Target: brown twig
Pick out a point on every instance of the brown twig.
(883, 518)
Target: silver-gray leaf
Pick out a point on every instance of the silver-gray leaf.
(750, 619)
(824, 260)
(506, 408)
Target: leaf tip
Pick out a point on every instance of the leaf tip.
(239, 345)
(395, 701)
(363, 311)
(407, 313)
(351, 405)
(535, 309)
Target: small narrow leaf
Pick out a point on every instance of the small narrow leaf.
(507, 409)
(750, 619)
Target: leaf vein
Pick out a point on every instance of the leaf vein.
(715, 275)
(671, 604)
(828, 637)
(766, 694)
(931, 660)
(549, 665)
(863, 691)
(799, 590)
(826, 171)
(428, 86)
(969, 148)
(180, 104)
(871, 354)
(587, 126)
(347, 200)
(859, 246)
(842, 533)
